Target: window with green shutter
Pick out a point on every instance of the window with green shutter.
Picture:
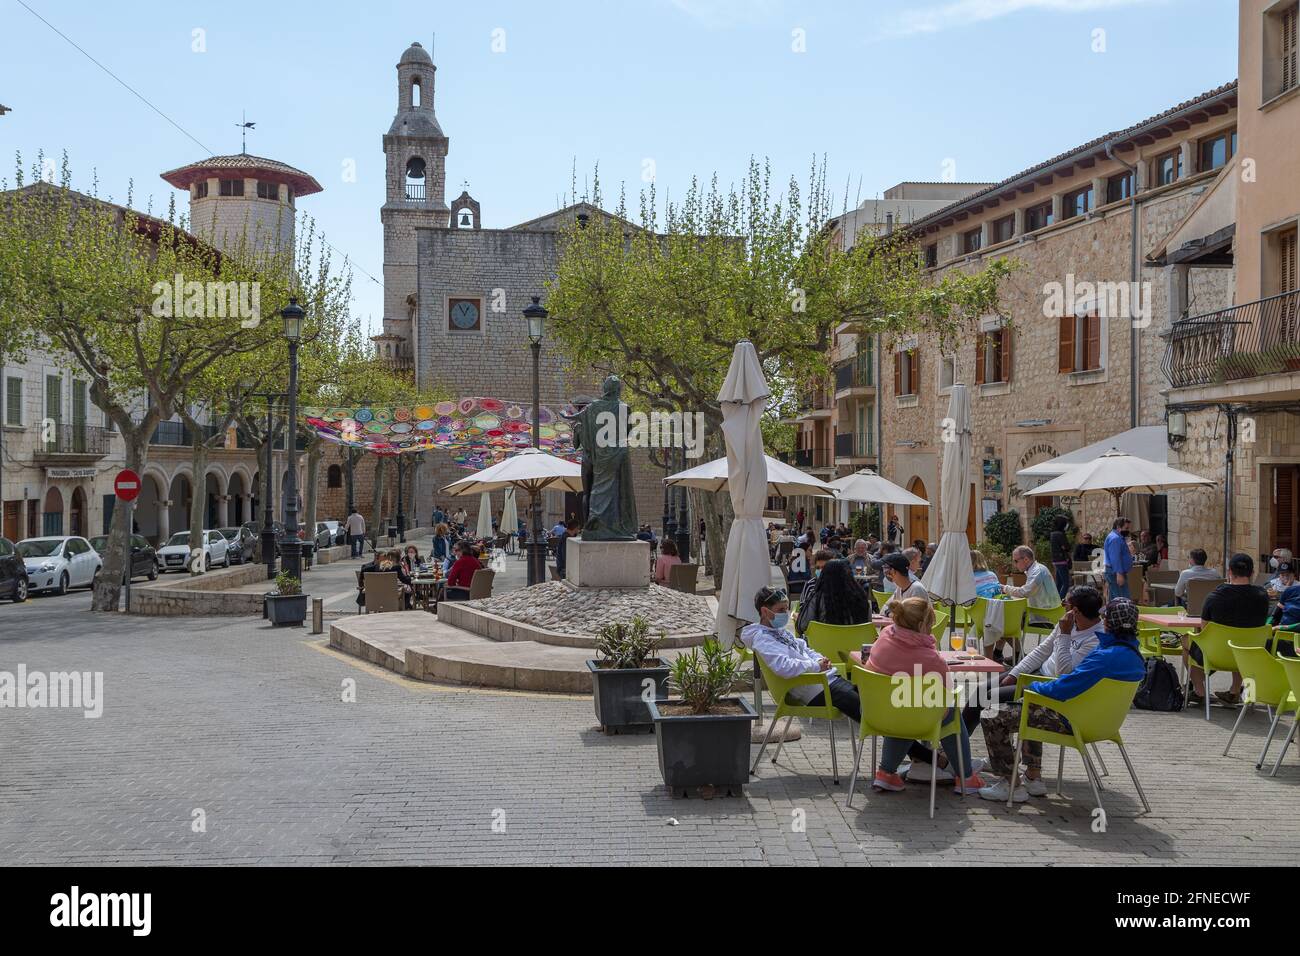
(13, 401)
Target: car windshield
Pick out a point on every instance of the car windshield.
(40, 549)
(180, 537)
(230, 533)
(99, 543)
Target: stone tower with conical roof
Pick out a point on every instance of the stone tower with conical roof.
(415, 152)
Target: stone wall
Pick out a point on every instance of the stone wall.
(201, 595)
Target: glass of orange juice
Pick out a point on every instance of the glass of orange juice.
(956, 641)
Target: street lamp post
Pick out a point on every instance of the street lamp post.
(536, 315)
(268, 504)
(401, 512)
(683, 521)
(292, 314)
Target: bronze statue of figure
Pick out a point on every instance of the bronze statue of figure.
(600, 431)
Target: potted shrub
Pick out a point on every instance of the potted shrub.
(627, 675)
(286, 604)
(703, 738)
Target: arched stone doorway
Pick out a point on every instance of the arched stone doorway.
(146, 512)
(212, 500)
(77, 514)
(52, 513)
(180, 495)
(918, 516)
(236, 492)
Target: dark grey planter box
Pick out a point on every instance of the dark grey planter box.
(617, 695)
(284, 609)
(705, 751)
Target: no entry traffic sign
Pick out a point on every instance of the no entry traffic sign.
(126, 485)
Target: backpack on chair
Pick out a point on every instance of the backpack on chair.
(1160, 688)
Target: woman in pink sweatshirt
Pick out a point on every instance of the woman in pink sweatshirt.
(904, 648)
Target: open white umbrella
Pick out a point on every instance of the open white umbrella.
(949, 575)
(743, 397)
(529, 469)
(782, 479)
(510, 515)
(1119, 473)
(484, 529)
(870, 487)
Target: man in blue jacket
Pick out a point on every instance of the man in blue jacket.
(1116, 656)
(1119, 561)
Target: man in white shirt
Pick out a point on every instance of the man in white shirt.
(1039, 587)
(898, 573)
(1073, 638)
(356, 529)
(786, 655)
(1197, 572)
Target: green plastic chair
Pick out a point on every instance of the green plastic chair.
(976, 615)
(1050, 614)
(780, 687)
(1213, 641)
(1149, 643)
(1265, 683)
(940, 629)
(1013, 624)
(1095, 715)
(882, 717)
(835, 641)
(880, 597)
(1022, 682)
(1291, 667)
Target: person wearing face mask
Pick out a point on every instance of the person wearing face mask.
(820, 559)
(789, 656)
(1282, 564)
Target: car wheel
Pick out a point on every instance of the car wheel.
(63, 584)
(94, 578)
(20, 591)
(207, 563)
(153, 573)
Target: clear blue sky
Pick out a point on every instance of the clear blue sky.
(886, 89)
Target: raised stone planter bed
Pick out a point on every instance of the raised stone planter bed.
(200, 594)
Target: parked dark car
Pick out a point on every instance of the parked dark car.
(144, 561)
(256, 528)
(243, 543)
(13, 573)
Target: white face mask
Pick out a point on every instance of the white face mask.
(1272, 563)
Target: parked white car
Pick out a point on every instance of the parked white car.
(58, 563)
(175, 554)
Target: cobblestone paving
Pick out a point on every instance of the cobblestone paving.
(246, 723)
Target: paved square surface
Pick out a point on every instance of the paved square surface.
(246, 724)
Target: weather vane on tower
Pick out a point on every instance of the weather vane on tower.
(244, 127)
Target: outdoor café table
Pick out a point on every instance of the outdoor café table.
(426, 592)
(1182, 625)
(959, 662)
(1162, 594)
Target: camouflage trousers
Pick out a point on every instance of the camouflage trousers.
(999, 730)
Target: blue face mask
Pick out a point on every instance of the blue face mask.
(779, 621)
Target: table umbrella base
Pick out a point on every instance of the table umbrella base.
(759, 733)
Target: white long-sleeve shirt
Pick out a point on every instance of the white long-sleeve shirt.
(1039, 587)
(785, 656)
(1059, 653)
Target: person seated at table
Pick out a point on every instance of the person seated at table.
(666, 561)
(1236, 603)
(1083, 547)
(1162, 547)
(873, 545)
(834, 598)
(906, 647)
(385, 562)
(927, 556)
(411, 560)
(860, 560)
(1116, 656)
(987, 584)
(913, 555)
(1284, 578)
(462, 572)
(1286, 617)
(819, 561)
(1196, 571)
(1039, 587)
(898, 573)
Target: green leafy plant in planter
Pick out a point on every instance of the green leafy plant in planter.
(1003, 531)
(627, 675)
(1044, 522)
(702, 677)
(999, 561)
(286, 604)
(287, 585)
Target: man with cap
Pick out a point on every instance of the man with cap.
(897, 570)
(1116, 657)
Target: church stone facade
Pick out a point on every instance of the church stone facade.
(455, 292)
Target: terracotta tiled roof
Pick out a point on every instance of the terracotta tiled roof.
(253, 166)
(1224, 92)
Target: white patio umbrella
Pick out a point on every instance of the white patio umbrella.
(744, 396)
(510, 514)
(1119, 473)
(868, 486)
(528, 469)
(484, 529)
(950, 575)
(782, 479)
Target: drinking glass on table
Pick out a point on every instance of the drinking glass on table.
(956, 641)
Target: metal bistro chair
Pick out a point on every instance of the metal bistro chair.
(1197, 592)
(383, 592)
(684, 577)
(480, 585)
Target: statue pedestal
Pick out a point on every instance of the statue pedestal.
(607, 564)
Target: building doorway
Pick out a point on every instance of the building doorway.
(52, 514)
(918, 516)
(1284, 509)
(77, 513)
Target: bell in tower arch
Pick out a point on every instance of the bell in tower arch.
(466, 219)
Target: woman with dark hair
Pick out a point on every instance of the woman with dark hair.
(1060, 546)
(837, 599)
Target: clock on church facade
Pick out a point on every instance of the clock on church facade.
(464, 315)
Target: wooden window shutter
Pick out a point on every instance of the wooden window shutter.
(1284, 511)
(981, 343)
(1008, 337)
(1287, 272)
(1065, 350)
(1290, 47)
(1092, 355)
(898, 373)
(914, 366)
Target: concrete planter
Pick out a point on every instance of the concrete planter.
(618, 695)
(284, 609)
(710, 750)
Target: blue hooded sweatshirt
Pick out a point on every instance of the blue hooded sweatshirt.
(1115, 656)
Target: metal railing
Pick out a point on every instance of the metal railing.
(415, 192)
(812, 458)
(853, 445)
(1257, 338)
(852, 374)
(76, 439)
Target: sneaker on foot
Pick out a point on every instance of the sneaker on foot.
(1035, 788)
(921, 772)
(972, 784)
(999, 789)
(888, 781)
(1228, 698)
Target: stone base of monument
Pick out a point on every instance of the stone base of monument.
(607, 564)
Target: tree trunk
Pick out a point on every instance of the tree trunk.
(198, 500)
(309, 493)
(109, 586)
(377, 501)
(263, 469)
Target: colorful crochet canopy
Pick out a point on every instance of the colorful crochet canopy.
(476, 432)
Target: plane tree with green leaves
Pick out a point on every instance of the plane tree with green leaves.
(662, 299)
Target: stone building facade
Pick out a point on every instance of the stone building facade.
(455, 292)
(1065, 365)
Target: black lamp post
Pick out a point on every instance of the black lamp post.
(683, 520)
(536, 315)
(670, 522)
(401, 511)
(268, 504)
(291, 547)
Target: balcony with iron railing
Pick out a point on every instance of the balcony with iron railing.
(66, 442)
(415, 192)
(1241, 342)
(853, 378)
(853, 445)
(819, 457)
